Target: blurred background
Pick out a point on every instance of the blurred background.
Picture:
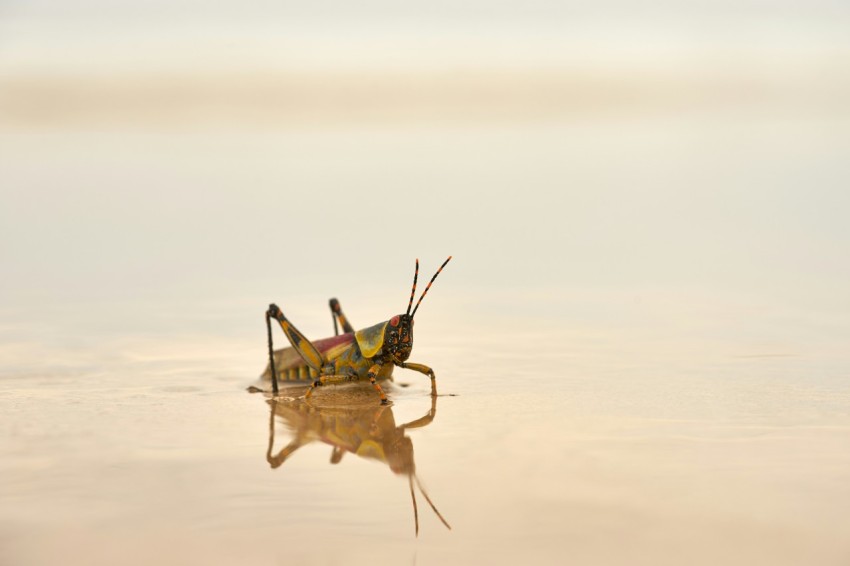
(647, 206)
(165, 148)
(162, 161)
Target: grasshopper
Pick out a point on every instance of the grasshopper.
(369, 432)
(370, 353)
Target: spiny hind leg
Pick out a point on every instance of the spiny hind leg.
(311, 356)
(337, 314)
(422, 368)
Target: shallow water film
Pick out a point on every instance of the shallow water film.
(540, 444)
(640, 344)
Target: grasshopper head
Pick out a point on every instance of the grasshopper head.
(398, 340)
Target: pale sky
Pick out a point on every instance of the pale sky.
(98, 34)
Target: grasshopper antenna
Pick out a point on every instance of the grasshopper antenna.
(410, 304)
(425, 292)
(428, 499)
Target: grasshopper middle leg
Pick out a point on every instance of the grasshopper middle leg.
(335, 379)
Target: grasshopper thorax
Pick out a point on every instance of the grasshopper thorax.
(398, 337)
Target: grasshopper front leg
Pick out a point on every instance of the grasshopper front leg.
(422, 368)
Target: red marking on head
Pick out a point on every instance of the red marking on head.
(394, 321)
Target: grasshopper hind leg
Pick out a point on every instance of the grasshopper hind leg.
(308, 352)
(337, 315)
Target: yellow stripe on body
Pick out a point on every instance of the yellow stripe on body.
(336, 351)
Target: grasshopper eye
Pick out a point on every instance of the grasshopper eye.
(394, 321)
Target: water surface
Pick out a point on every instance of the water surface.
(556, 444)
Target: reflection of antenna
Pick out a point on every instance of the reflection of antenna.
(410, 479)
(415, 508)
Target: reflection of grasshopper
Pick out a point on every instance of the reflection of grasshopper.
(367, 431)
(370, 353)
